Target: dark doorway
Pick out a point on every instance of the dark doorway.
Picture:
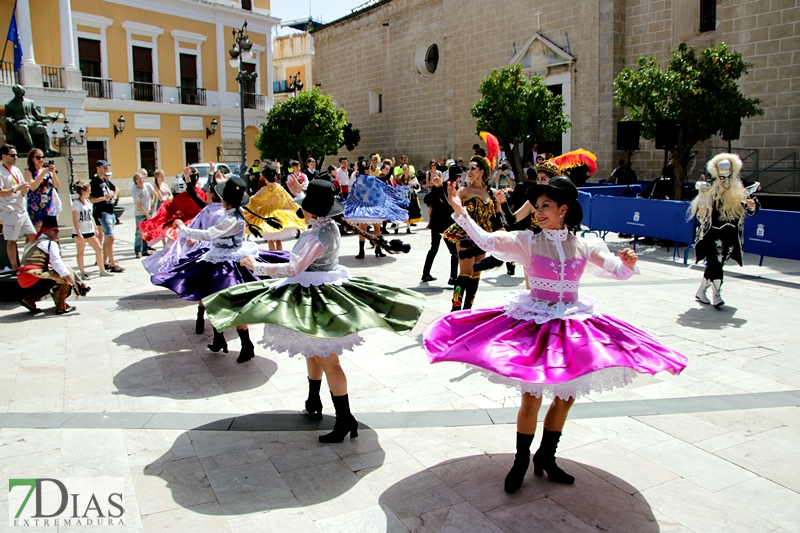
(148, 155)
(95, 151)
(191, 150)
(555, 147)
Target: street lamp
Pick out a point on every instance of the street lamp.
(240, 51)
(69, 140)
(295, 84)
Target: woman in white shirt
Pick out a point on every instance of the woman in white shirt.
(84, 230)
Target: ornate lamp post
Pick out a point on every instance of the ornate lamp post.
(69, 140)
(241, 51)
(295, 84)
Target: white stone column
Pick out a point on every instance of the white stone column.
(72, 76)
(30, 74)
(269, 72)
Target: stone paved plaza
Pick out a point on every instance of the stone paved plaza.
(124, 388)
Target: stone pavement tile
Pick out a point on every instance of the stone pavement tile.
(669, 525)
(304, 459)
(544, 513)
(208, 443)
(762, 384)
(250, 488)
(614, 463)
(721, 442)
(328, 489)
(151, 446)
(626, 432)
(786, 359)
(172, 485)
(147, 403)
(42, 404)
(369, 450)
(772, 454)
(375, 519)
(31, 385)
(745, 423)
(693, 464)
(220, 462)
(79, 444)
(685, 427)
(657, 391)
(294, 520)
(703, 511)
(106, 403)
(277, 443)
(204, 517)
(788, 416)
(766, 499)
(35, 464)
(431, 446)
(459, 518)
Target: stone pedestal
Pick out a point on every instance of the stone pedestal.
(30, 75)
(73, 80)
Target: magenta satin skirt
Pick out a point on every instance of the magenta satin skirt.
(555, 352)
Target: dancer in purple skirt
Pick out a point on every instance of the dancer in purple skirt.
(549, 340)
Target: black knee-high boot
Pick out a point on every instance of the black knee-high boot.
(459, 290)
(247, 352)
(314, 402)
(345, 421)
(200, 325)
(360, 250)
(521, 461)
(471, 290)
(545, 459)
(218, 342)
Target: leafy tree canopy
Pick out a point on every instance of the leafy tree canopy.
(305, 125)
(518, 110)
(352, 136)
(699, 92)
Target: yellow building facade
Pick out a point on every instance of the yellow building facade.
(149, 81)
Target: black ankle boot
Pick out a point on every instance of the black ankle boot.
(545, 459)
(345, 422)
(314, 402)
(200, 325)
(218, 342)
(521, 461)
(247, 352)
(379, 252)
(360, 250)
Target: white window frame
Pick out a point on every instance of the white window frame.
(375, 101)
(192, 140)
(148, 32)
(194, 39)
(92, 21)
(256, 50)
(140, 140)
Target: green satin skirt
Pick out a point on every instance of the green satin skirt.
(326, 311)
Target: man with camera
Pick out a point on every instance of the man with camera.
(13, 210)
(102, 196)
(43, 271)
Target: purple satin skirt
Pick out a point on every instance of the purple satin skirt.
(194, 279)
(557, 351)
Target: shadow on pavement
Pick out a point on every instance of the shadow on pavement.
(258, 469)
(708, 317)
(152, 300)
(466, 494)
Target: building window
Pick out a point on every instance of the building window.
(247, 4)
(375, 102)
(95, 151)
(432, 58)
(191, 151)
(708, 15)
(89, 58)
(148, 156)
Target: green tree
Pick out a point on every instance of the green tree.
(352, 137)
(699, 92)
(518, 111)
(305, 125)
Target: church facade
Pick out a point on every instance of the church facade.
(407, 71)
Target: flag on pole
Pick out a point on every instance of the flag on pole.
(13, 36)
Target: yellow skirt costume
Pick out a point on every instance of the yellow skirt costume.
(273, 201)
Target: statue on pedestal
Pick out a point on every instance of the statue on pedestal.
(26, 126)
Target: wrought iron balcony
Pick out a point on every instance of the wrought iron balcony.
(192, 95)
(255, 101)
(98, 87)
(146, 92)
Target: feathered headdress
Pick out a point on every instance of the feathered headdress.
(492, 147)
(548, 168)
(576, 158)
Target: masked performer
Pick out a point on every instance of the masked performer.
(317, 310)
(205, 271)
(720, 208)
(273, 202)
(549, 340)
(371, 201)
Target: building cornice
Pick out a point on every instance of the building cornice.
(203, 10)
(91, 21)
(188, 37)
(138, 28)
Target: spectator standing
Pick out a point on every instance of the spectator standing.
(443, 165)
(102, 195)
(343, 177)
(43, 185)
(13, 212)
(399, 168)
(503, 177)
(622, 175)
(145, 201)
(163, 192)
(439, 216)
(374, 168)
(84, 230)
(311, 169)
(255, 170)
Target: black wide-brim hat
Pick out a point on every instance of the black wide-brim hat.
(321, 199)
(563, 191)
(234, 191)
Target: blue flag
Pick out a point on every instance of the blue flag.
(13, 36)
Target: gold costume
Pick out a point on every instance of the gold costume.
(272, 200)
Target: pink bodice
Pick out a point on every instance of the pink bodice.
(553, 280)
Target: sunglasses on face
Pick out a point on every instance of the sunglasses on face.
(38, 157)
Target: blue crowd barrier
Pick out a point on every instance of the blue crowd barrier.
(772, 233)
(585, 199)
(613, 190)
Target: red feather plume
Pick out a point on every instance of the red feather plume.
(576, 158)
(492, 147)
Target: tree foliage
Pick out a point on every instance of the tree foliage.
(305, 125)
(699, 92)
(518, 110)
(352, 136)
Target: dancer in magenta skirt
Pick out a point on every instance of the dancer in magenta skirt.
(549, 340)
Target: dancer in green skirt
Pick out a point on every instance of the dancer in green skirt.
(316, 309)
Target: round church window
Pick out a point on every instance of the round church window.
(432, 58)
